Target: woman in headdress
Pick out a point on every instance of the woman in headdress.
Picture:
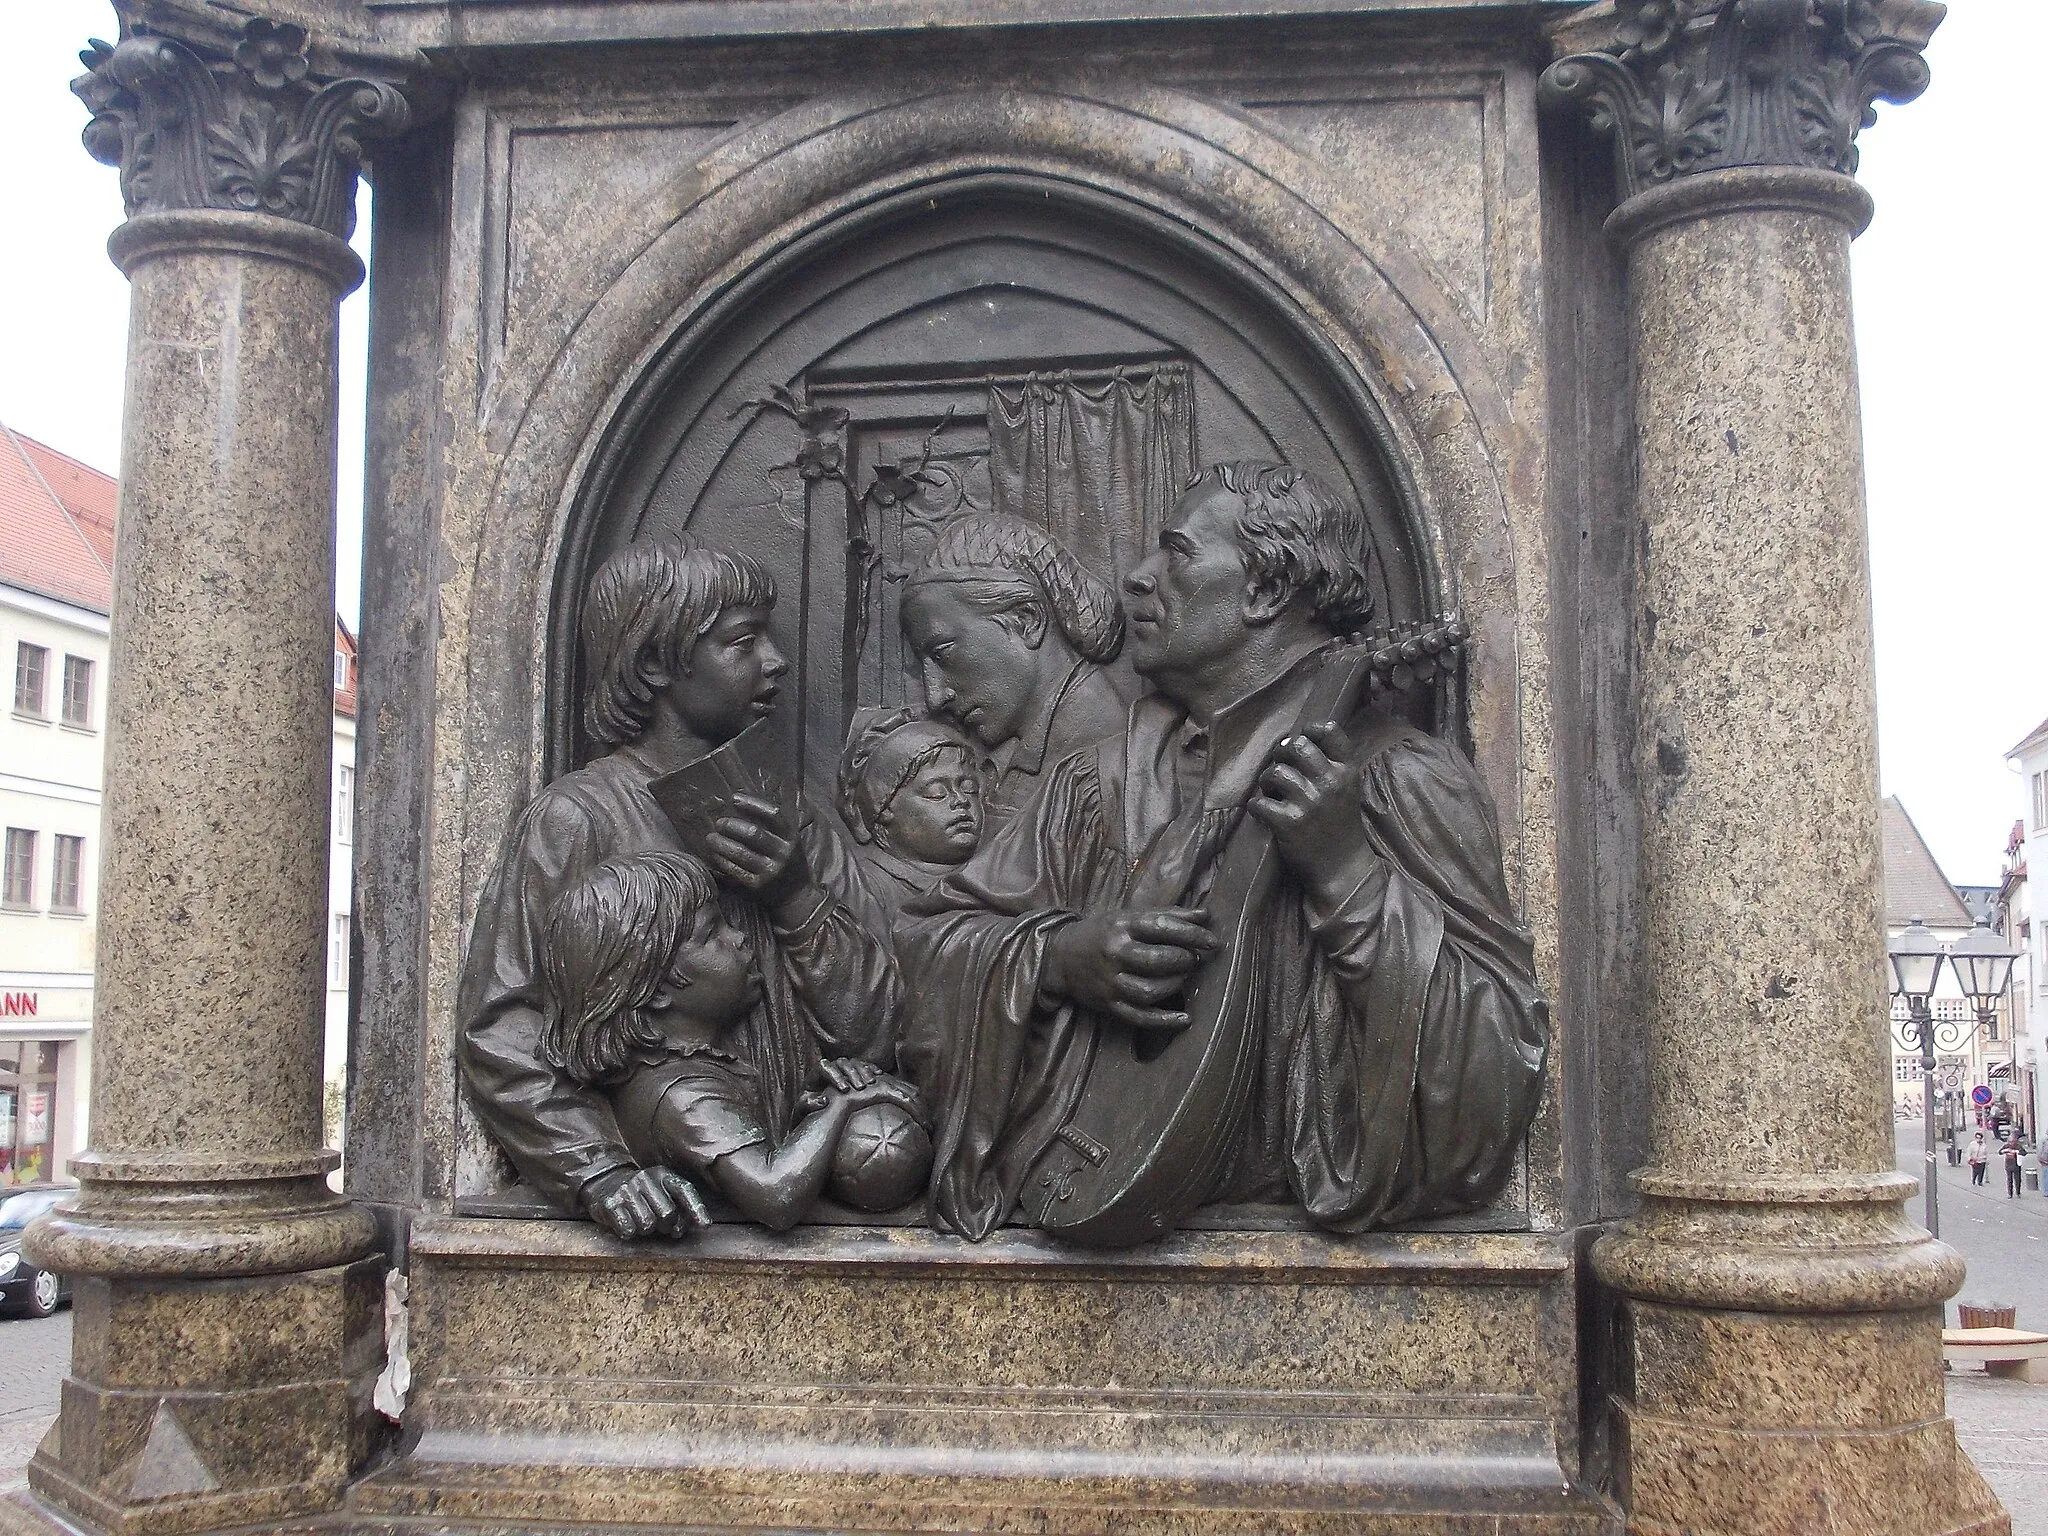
(1015, 634)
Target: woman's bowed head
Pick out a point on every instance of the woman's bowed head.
(646, 981)
(999, 612)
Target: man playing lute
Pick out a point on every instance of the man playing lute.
(1397, 1033)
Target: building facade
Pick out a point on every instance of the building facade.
(2027, 998)
(1968, 1054)
(56, 573)
(340, 879)
(56, 566)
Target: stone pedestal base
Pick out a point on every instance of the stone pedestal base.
(876, 1380)
(206, 1405)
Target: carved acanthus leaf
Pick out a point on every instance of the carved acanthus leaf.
(1695, 85)
(249, 130)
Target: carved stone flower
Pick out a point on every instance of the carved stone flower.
(274, 53)
(819, 458)
(1649, 26)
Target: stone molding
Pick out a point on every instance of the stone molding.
(1741, 189)
(246, 130)
(1686, 86)
(1811, 1246)
(201, 1230)
(148, 236)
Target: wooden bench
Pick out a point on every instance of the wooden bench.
(2011, 1352)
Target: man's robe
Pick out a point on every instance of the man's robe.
(831, 987)
(1401, 1033)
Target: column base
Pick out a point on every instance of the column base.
(132, 1219)
(205, 1405)
(1686, 1479)
(1779, 1368)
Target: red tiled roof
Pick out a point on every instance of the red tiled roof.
(56, 523)
(57, 536)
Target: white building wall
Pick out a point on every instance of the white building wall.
(2030, 972)
(50, 779)
(340, 892)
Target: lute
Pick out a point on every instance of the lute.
(1147, 1140)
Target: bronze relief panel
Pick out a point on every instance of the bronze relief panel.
(1004, 728)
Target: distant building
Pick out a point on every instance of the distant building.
(341, 834)
(56, 580)
(2026, 929)
(1967, 1056)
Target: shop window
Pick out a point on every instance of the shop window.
(67, 875)
(18, 885)
(78, 691)
(31, 675)
(344, 804)
(28, 1112)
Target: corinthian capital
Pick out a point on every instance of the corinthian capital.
(249, 129)
(1699, 85)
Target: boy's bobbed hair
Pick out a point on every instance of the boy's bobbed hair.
(647, 606)
(610, 938)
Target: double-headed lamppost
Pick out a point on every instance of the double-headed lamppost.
(1983, 966)
(1916, 957)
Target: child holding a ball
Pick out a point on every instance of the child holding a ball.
(645, 980)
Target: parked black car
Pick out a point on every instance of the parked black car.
(24, 1289)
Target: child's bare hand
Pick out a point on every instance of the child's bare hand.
(754, 846)
(847, 1073)
(646, 1202)
(890, 1090)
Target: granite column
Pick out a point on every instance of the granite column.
(226, 1301)
(1781, 1367)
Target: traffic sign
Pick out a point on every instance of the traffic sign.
(1981, 1096)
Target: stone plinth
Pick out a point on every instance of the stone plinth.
(270, 1411)
(891, 1379)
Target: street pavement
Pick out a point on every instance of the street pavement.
(2002, 1424)
(33, 1354)
(2004, 1241)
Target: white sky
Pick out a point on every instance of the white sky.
(1949, 321)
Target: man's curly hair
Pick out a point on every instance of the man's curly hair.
(1298, 533)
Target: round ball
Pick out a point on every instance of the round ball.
(883, 1160)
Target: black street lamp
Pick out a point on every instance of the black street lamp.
(1916, 957)
(1983, 966)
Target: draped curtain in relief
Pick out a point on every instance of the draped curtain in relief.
(1097, 460)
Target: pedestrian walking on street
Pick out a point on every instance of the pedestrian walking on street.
(2012, 1154)
(1979, 1156)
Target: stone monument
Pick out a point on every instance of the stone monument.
(1069, 709)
